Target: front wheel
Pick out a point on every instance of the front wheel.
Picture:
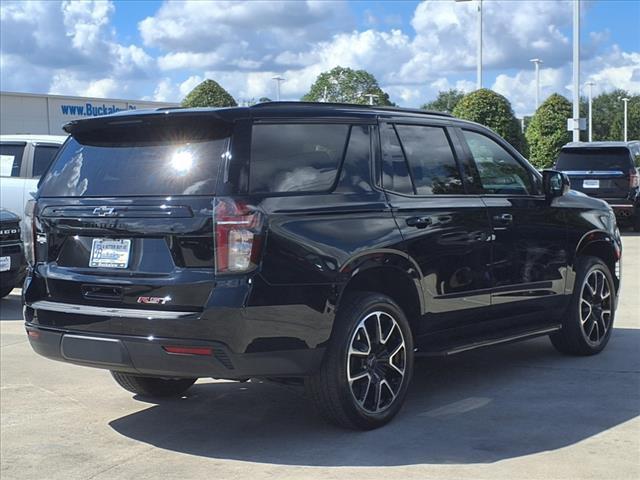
(153, 386)
(588, 323)
(4, 291)
(363, 380)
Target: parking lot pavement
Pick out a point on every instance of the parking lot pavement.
(517, 411)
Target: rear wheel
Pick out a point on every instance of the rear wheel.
(635, 222)
(368, 365)
(153, 386)
(587, 326)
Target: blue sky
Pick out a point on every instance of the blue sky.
(161, 49)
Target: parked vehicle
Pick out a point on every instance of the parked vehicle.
(322, 242)
(606, 170)
(23, 159)
(12, 263)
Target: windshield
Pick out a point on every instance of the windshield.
(584, 159)
(161, 168)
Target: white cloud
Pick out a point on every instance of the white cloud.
(72, 48)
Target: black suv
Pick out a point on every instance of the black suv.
(323, 243)
(606, 170)
(12, 264)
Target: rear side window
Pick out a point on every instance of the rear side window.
(161, 167)
(433, 167)
(583, 159)
(296, 157)
(10, 159)
(42, 158)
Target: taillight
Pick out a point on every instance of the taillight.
(238, 230)
(634, 178)
(29, 232)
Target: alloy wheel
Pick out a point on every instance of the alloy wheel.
(376, 362)
(595, 306)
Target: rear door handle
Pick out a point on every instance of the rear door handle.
(419, 222)
(504, 219)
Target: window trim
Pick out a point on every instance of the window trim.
(478, 189)
(313, 121)
(446, 126)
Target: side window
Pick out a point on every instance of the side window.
(295, 157)
(500, 172)
(355, 175)
(395, 174)
(635, 152)
(10, 159)
(42, 158)
(433, 166)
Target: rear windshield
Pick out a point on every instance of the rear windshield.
(90, 167)
(582, 159)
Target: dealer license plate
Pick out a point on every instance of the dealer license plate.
(5, 264)
(109, 253)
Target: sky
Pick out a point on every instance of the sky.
(160, 50)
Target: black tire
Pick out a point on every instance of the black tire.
(635, 222)
(387, 366)
(4, 291)
(153, 386)
(578, 337)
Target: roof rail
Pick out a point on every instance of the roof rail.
(350, 105)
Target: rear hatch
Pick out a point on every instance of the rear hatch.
(125, 219)
(602, 172)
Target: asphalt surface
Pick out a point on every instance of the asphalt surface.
(517, 411)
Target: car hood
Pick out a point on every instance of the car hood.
(7, 216)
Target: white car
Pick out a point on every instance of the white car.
(23, 159)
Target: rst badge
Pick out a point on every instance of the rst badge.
(154, 300)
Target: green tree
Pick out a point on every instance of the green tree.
(633, 121)
(547, 132)
(607, 110)
(209, 94)
(446, 101)
(344, 85)
(494, 111)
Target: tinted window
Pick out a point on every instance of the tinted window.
(161, 168)
(295, 157)
(42, 158)
(10, 159)
(594, 159)
(499, 171)
(355, 175)
(635, 151)
(395, 172)
(433, 166)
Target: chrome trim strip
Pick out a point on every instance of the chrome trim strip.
(496, 341)
(593, 172)
(108, 311)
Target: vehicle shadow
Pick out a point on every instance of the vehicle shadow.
(11, 306)
(478, 407)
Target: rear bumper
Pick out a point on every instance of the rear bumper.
(146, 356)
(622, 207)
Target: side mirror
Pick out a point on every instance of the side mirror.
(554, 183)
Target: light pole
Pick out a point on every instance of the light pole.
(537, 62)
(479, 45)
(626, 102)
(278, 80)
(590, 85)
(576, 71)
(371, 96)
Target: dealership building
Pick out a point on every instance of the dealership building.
(46, 114)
